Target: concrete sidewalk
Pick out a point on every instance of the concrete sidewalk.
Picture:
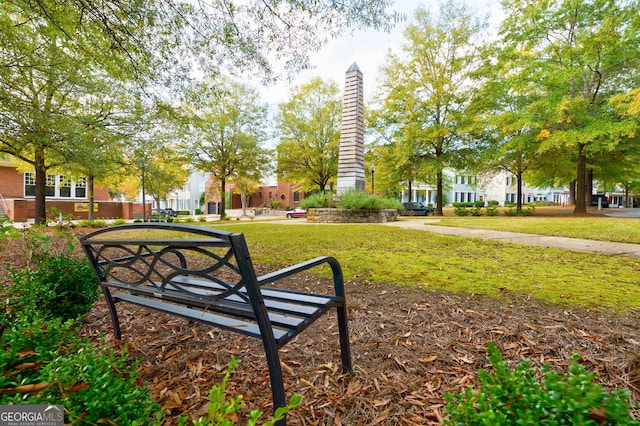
(572, 244)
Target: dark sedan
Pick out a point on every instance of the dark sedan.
(416, 209)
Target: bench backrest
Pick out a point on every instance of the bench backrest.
(186, 261)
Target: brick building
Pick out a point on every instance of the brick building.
(69, 196)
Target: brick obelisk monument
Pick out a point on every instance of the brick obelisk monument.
(351, 158)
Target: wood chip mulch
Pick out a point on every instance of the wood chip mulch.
(409, 346)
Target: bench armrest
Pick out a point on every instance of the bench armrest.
(338, 280)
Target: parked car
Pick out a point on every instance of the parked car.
(168, 212)
(604, 200)
(416, 209)
(295, 213)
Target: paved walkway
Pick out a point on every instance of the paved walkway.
(573, 244)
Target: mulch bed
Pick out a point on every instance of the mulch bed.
(409, 345)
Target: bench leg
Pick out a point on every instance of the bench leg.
(275, 375)
(345, 346)
(114, 314)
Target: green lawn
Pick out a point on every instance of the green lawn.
(624, 230)
(380, 253)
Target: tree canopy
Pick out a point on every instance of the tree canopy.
(426, 89)
(309, 125)
(579, 54)
(225, 123)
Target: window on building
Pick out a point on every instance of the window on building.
(29, 184)
(296, 197)
(81, 187)
(65, 187)
(50, 189)
(462, 180)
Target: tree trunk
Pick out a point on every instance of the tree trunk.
(439, 194)
(90, 195)
(144, 196)
(572, 193)
(41, 184)
(519, 192)
(243, 200)
(410, 196)
(223, 207)
(589, 187)
(581, 182)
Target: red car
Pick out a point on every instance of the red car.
(297, 212)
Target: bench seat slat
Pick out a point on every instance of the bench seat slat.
(267, 292)
(227, 323)
(200, 297)
(293, 319)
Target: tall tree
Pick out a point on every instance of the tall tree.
(48, 96)
(427, 89)
(502, 120)
(226, 123)
(580, 53)
(309, 125)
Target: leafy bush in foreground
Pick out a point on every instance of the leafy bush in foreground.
(522, 397)
(45, 362)
(58, 287)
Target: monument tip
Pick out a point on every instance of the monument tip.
(354, 67)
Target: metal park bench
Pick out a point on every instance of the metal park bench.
(206, 275)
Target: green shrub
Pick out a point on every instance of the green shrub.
(45, 362)
(119, 222)
(350, 200)
(358, 200)
(524, 397)
(221, 411)
(493, 203)
(476, 211)
(184, 213)
(202, 219)
(510, 211)
(93, 223)
(58, 287)
(479, 203)
(461, 210)
(198, 211)
(492, 211)
(320, 200)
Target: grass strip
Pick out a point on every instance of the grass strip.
(404, 257)
(598, 228)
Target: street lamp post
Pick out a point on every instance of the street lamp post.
(372, 169)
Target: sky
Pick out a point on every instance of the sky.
(366, 48)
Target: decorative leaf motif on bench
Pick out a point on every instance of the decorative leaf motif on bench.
(173, 268)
